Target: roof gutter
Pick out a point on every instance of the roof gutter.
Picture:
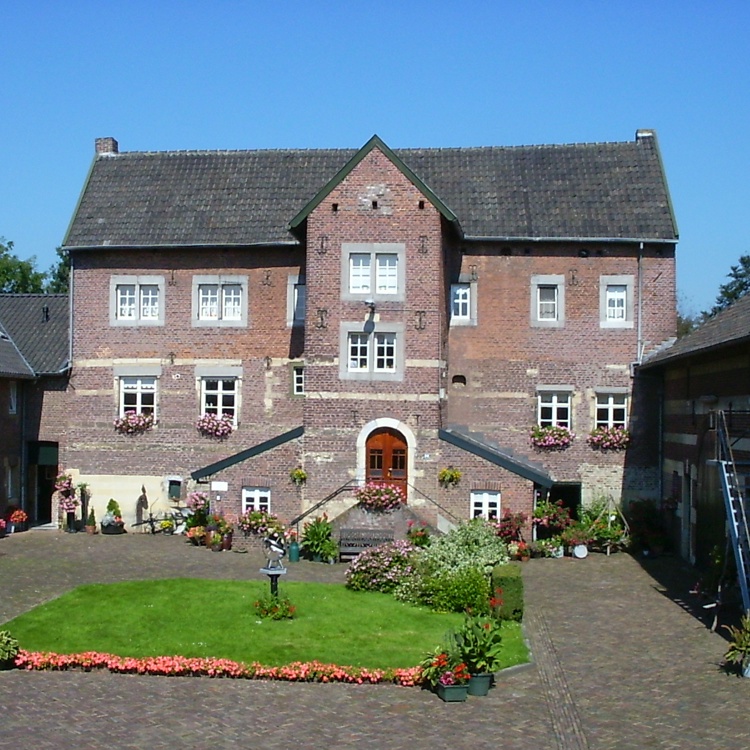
(607, 240)
(181, 245)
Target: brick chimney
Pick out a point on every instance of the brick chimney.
(106, 146)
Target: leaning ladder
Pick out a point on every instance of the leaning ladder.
(736, 509)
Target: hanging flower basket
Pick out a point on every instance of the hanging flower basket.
(379, 497)
(551, 438)
(609, 438)
(215, 426)
(298, 476)
(449, 477)
(132, 423)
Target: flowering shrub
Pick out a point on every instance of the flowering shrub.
(510, 525)
(2, 524)
(182, 666)
(381, 568)
(132, 423)
(215, 426)
(259, 522)
(18, 516)
(554, 437)
(552, 517)
(380, 497)
(418, 534)
(197, 501)
(519, 550)
(609, 438)
(275, 607)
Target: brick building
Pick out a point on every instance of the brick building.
(368, 314)
(702, 374)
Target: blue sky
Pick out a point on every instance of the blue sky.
(164, 75)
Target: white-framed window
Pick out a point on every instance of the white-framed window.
(256, 498)
(136, 300)
(372, 352)
(298, 380)
(616, 301)
(219, 301)
(373, 270)
(547, 301)
(296, 300)
(463, 302)
(219, 396)
(553, 409)
(485, 504)
(12, 397)
(376, 353)
(138, 394)
(611, 410)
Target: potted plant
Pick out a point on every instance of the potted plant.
(91, 522)
(738, 653)
(577, 537)
(112, 522)
(8, 650)
(19, 518)
(329, 551)
(316, 535)
(197, 535)
(449, 477)
(167, 526)
(444, 673)
(298, 476)
(479, 646)
(379, 497)
(418, 534)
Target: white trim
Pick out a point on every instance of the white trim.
(393, 424)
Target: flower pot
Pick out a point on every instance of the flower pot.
(226, 542)
(70, 517)
(452, 693)
(91, 530)
(480, 684)
(294, 552)
(317, 558)
(113, 528)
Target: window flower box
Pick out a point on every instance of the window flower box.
(551, 438)
(215, 426)
(132, 423)
(609, 438)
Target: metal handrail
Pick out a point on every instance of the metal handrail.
(350, 484)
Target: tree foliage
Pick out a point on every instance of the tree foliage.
(22, 277)
(18, 276)
(737, 286)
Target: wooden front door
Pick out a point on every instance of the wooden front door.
(387, 458)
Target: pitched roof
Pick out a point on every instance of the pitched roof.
(38, 326)
(594, 190)
(727, 328)
(12, 364)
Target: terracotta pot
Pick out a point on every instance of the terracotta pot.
(91, 529)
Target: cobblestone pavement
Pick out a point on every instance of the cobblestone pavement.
(620, 661)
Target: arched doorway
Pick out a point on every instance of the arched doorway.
(386, 457)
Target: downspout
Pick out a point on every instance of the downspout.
(639, 307)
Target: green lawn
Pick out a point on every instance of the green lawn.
(201, 618)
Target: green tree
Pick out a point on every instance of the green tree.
(738, 286)
(58, 276)
(18, 276)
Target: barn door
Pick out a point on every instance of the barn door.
(386, 458)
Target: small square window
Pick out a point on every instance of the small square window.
(256, 499)
(219, 301)
(548, 301)
(616, 301)
(137, 394)
(485, 504)
(219, 397)
(136, 300)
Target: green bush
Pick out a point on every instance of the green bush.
(474, 544)
(507, 585)
(467, 588)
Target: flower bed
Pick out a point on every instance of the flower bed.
(180, 666)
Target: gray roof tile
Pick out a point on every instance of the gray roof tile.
(12, 364)
(41, 337)
(604, 190)
(727, 328)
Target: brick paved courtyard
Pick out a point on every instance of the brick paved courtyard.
(620, 661)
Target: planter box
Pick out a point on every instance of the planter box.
(113, 528)
(480, 684)
(452, 693)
